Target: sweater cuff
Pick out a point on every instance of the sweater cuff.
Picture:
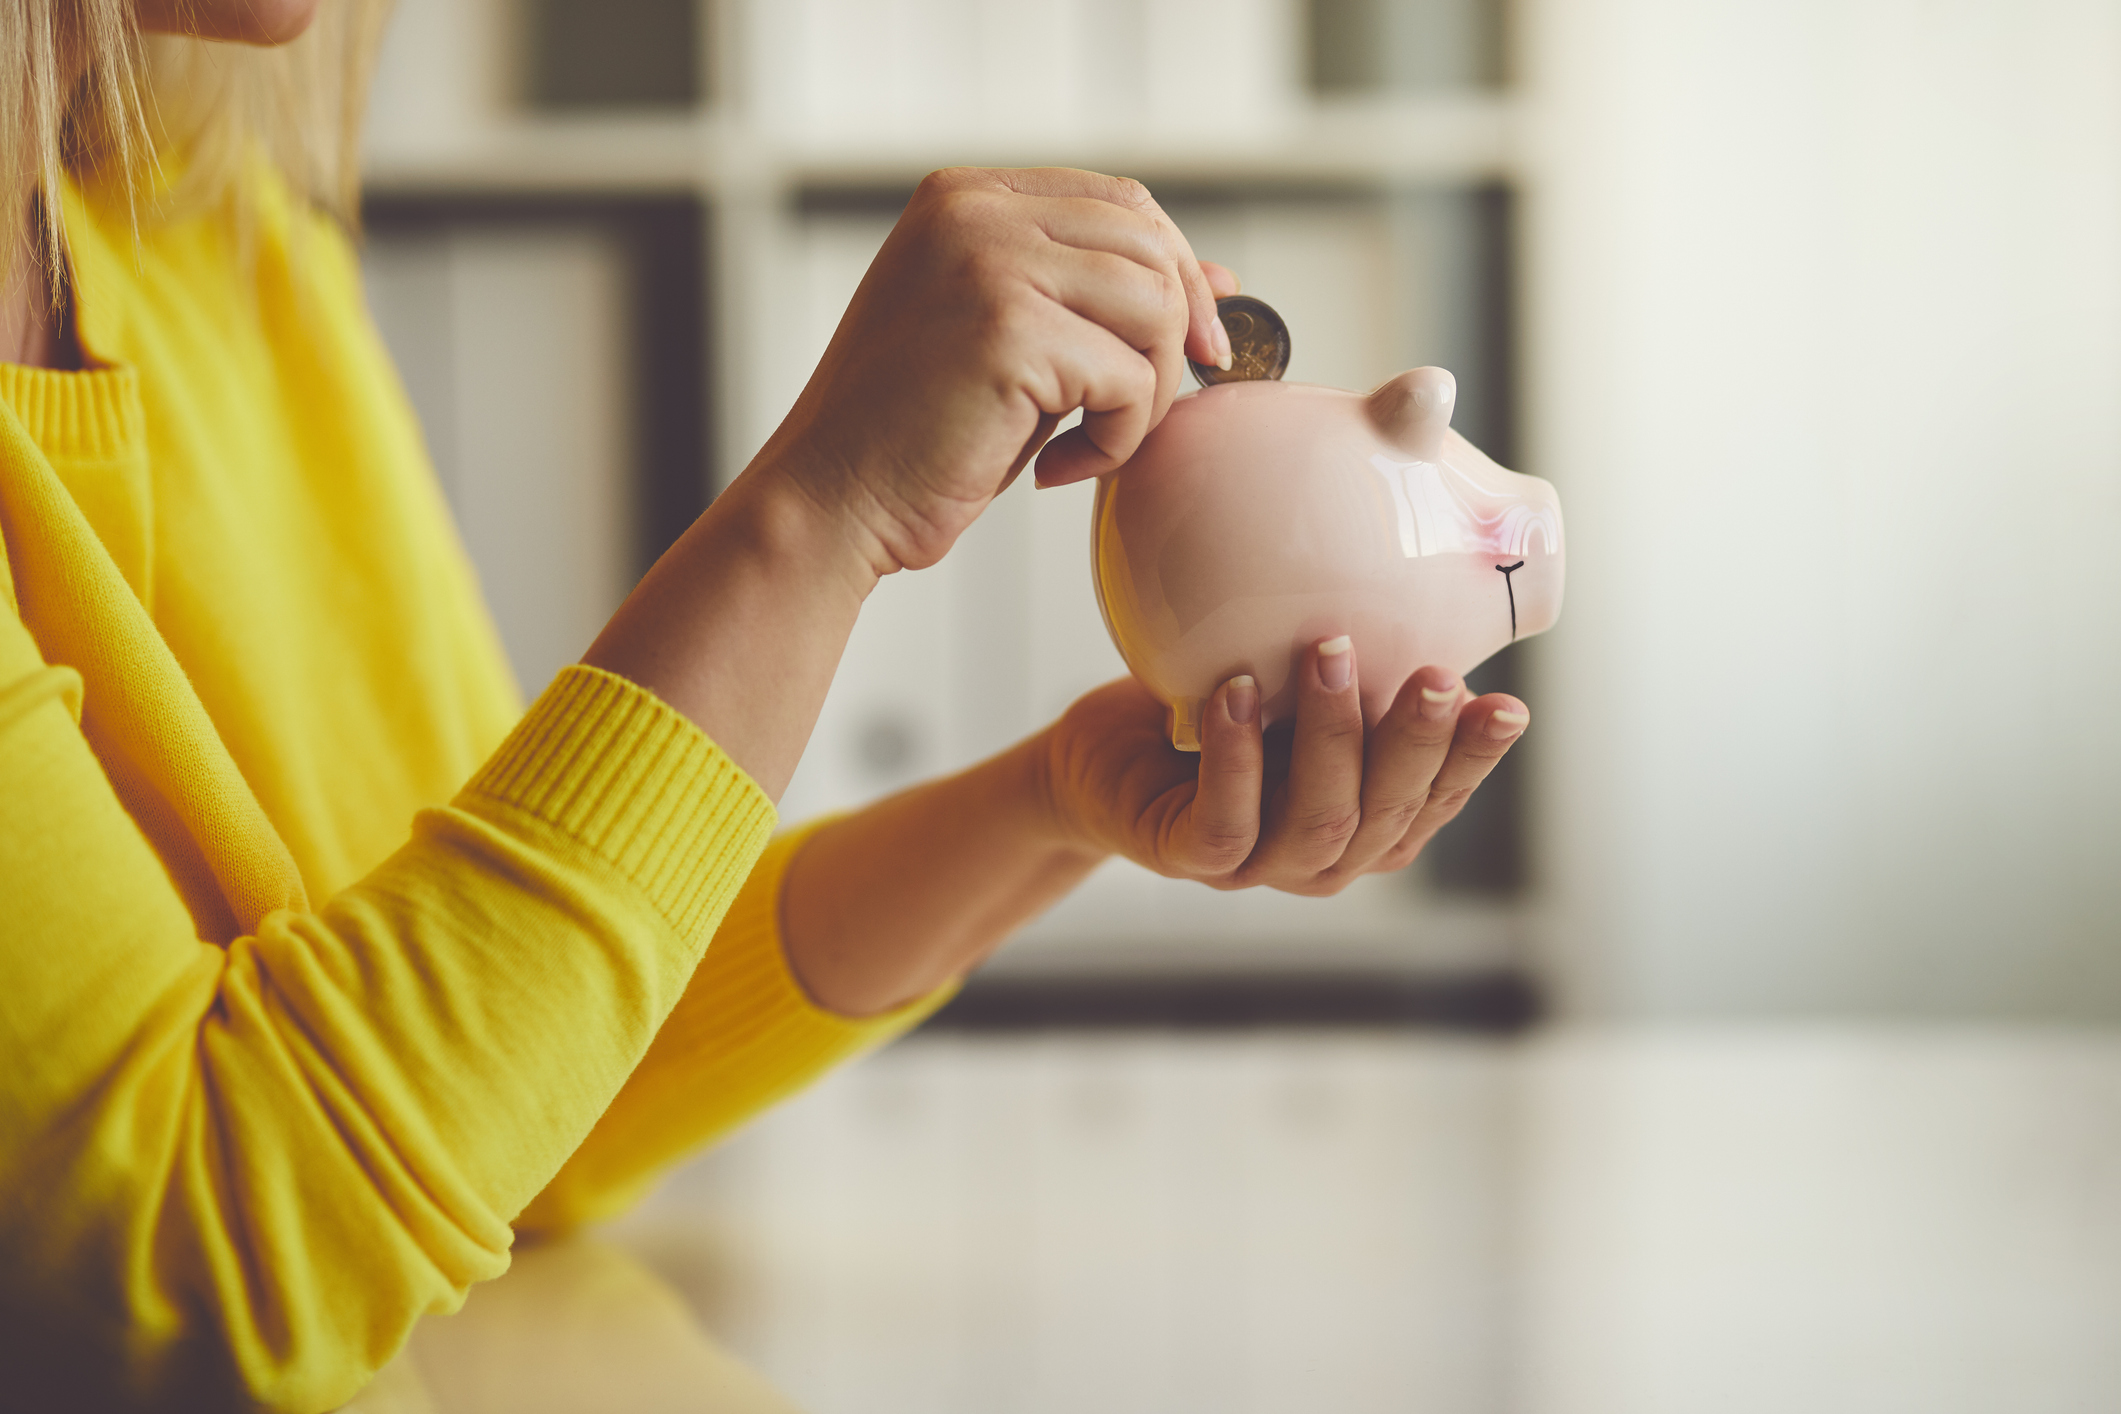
(743, 1037)
(753, 977)
(608, 763)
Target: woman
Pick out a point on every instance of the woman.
(326, 968)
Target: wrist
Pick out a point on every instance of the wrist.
(839, 494)
(791, 509)
(1051, 818)
(886, 904)
(740, 625)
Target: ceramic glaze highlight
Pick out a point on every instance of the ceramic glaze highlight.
(1259, 518)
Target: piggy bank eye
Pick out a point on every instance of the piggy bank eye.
(1509, 587)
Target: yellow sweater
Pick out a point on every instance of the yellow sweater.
(311, 984)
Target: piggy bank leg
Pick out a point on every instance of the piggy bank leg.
(1185, 722)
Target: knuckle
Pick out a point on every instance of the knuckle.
(1336, 726)
(1324, 884)
(1220, 849)
(963, 217)
(1398, 816)
(1409, 849)
(944, 181)
(1155, 290)
(1171, 295)
(1326, 827)
(1413, 729)
(1142, 376)
(1445, 804)
(1127, 191)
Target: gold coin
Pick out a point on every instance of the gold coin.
(1259, 343)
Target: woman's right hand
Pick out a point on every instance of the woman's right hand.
(1001, 302)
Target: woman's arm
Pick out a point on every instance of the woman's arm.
(888, 904)
(845, 935)
(998, 294)
(1000, 302)
(240, 1161)
(741, 624)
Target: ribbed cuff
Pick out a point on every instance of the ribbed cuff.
(742, 1038)
(759, 1002)
(608, 763)
(94, 415)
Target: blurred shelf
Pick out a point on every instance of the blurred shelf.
(1494, 1001)
(1124, 921)
(555, 155)
(1446, 138)
(1460, 138)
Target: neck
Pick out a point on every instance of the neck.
(36, 311)
(26, 322)
(34, 317)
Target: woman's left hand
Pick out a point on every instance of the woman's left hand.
(888, 903)
(1335, 803)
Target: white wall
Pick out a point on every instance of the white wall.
(1824, 320)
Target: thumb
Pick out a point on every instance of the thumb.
(1069, 458)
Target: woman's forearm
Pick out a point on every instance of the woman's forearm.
(739, 627)
(741, 623)
(887, 904)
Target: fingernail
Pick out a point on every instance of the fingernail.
(1437, 704)
(1507, 724)
(1221, 340)
(1336, 663)
(1241, 700)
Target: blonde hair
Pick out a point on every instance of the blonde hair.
(215, 108)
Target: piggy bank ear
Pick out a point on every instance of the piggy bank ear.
(1413, 410)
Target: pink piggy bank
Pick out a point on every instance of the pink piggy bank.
(1262, 517)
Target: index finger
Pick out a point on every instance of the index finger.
(1206, 340)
